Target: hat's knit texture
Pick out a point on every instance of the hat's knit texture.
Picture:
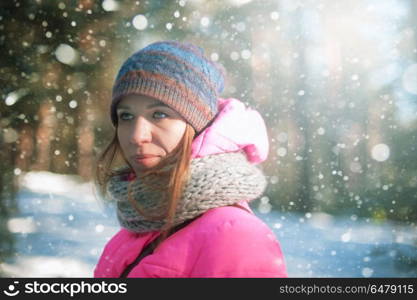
(216, 180)
(177, 74)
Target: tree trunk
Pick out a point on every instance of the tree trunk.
(85, 141)
(25, 148)
(44, 135)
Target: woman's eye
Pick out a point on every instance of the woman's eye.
(159, 115)
(125, 116)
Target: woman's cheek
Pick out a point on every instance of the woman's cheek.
(176, 132)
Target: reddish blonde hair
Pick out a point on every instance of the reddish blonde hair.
(174, 167)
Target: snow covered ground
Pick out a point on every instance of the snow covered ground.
(62, 228)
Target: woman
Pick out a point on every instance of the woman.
(182, 196)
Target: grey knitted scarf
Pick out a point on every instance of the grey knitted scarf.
(215, 180)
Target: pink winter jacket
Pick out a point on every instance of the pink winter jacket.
(225, 241)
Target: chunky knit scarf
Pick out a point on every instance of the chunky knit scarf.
(215, 180)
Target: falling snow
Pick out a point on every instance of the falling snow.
(66, 54)
(380, 152)
(337, 90)
(140, 22)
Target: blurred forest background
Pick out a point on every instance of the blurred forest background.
(336, 82)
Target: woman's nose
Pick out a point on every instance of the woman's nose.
(141, 131)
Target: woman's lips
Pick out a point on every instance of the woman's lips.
(145, 158)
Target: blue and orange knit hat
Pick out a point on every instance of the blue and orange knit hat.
(177, 74)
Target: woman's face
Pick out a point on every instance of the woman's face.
(148, 130)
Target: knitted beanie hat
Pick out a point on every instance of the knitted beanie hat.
(177, 74)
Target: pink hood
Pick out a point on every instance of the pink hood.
(236, 127)
(224, 241)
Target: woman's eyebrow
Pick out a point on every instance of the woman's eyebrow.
(157, 105)
(122, 107)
